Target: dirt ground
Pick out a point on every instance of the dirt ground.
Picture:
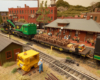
(5, 74)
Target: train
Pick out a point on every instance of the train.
(29, 31)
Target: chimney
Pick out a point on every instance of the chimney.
(96, 9)
(25, 5)
(88, 17)
(62, 17)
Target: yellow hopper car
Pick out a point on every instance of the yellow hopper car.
(28, 59)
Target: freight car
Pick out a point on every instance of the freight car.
(29, 30)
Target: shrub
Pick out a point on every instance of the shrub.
(7, 64)
(14, 70)
(68, 58)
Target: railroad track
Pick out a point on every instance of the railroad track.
(69, 72)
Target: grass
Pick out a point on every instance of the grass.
(24, 78)
(68, 58)
(7, 64)
(98, 71)
(14, 70)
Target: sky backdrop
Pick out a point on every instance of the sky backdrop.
(5, 4)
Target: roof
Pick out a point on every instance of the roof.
(4, 42)
(77, 24)
(64, 21)
(29, 53)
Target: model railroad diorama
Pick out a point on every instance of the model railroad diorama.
(29, 31)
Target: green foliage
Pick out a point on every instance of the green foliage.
(7, 64)
(68, 58)
(98, 71)
(62, 3)
(14, 70)
(43, 11)
(98, 4)
(1, 19)
(22, 20)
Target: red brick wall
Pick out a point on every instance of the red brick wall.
(48, 29)
(73, 33)
(82, 35)
(67, 33)
(27, 12)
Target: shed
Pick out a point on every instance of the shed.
(9, 50)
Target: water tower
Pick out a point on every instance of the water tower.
(53, 3)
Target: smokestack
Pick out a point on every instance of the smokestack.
(88, 17)
(62, 17)
(25, 5)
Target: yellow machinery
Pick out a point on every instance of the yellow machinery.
(26, 60)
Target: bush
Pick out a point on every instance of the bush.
(7, 64)
(68, 58)
(24, 78)
(14, 70)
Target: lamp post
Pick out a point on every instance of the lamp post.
(61, 31)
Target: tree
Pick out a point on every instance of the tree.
(1, 19)
(62, 3)
(93, 6)
(43, 11)
(22, 20)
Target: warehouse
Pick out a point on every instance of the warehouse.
(84, 28)
(9, 50)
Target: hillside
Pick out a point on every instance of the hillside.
(65, 9)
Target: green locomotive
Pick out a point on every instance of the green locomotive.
(20, 29)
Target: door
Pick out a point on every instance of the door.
(16, 51)
(89, 35)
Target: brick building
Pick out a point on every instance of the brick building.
(4, 15)
(84, 28)
(29, 13)
(94, 15)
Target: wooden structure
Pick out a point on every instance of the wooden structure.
(8, 50)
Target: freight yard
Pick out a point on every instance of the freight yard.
(61, 57)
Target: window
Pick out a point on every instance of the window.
(63, 32)
(33, 11)
(8, 55)
(6, 13)
(76, 34)
(23, 17)
(6, 17)
(3, 17)
(10, 12)
(51, 18)
(51, 11)
(15, 11)
(95, 18)
(20, 12)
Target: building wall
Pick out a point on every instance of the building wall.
(4, 16)
(81, 34)
(30, 11)
(94, 16)
(11, 48)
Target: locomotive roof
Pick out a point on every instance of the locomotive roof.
(77, 24)
(29, 53)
